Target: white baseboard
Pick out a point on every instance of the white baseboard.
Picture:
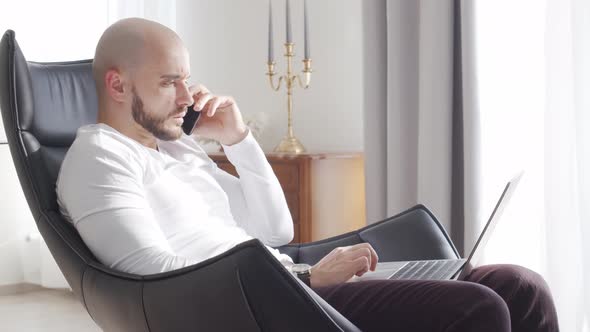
(28, 260)
(11, 270)
(19, 289)
(39, 267)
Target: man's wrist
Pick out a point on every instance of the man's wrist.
(302, 272)
(239, 136)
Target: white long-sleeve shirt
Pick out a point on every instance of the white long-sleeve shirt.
(145, 211)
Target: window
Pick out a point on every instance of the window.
(510, 69)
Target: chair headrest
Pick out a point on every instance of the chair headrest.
(63, 100)
(43, 105)
(52, 100)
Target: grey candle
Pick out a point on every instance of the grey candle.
(271, 53)
(288, 20)
(305, 30)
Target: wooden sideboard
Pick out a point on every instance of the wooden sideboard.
(325, 191)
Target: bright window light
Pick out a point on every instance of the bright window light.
(56, 30)
(510, 71)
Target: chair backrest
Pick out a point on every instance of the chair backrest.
(43, 105)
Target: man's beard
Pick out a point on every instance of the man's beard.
(153, 123)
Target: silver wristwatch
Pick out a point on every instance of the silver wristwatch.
(302, 271)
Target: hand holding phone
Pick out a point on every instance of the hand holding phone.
(221, 119)
(190, 120)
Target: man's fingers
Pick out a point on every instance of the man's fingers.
(357, 254)
(371, 251)
(202, 100)
(227, 101)
(361, 265)
(360, 251)
(217, 103)
(198, 92)
(364, 249)
(199, 89)
(374, 257)
(213, 105)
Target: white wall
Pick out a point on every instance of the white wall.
(16, 221)
(227, 40)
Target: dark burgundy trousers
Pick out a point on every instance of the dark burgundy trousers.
(494, 298)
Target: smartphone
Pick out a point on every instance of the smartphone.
(190, 120)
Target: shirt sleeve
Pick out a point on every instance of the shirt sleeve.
(102, 195)
(256, 199)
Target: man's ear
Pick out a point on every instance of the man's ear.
(115, 85)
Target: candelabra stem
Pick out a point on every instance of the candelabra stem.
(290, 114)
(289, 144)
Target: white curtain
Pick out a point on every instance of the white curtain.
(162, 11)
(534, 70)
(421, 117)
(419, 106)
(529, 82)
(567, 160)
(57, 30)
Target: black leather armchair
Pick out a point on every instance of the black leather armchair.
(244, 289)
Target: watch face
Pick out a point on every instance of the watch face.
(300, 268)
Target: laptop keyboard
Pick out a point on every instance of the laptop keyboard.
(429, 270)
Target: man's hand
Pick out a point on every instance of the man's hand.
(220, 118)
(342, 263)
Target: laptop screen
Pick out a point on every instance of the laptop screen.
(488, 230)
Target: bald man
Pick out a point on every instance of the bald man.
(146, 198)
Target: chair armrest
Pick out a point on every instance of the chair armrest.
(414, 234)
(244, 289)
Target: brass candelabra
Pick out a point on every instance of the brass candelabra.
(290, 144)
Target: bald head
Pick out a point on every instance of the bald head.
(129, 44)
(141, 69)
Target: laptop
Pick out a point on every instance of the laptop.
(445, 269)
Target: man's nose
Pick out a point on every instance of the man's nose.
(184, 97)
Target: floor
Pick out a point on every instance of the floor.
(47, 310)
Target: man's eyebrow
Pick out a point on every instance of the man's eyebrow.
(173, 76)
